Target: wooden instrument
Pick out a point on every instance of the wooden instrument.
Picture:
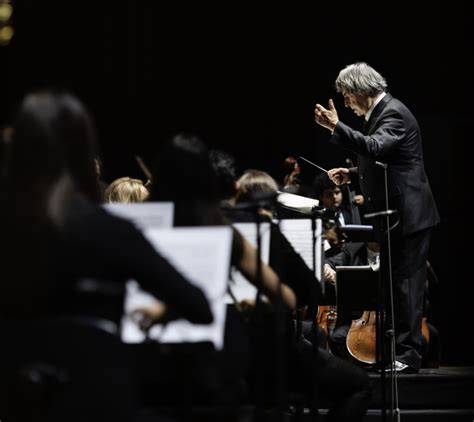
(361, 338)
(326, 318)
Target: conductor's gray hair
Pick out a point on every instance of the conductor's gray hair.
(360, 78)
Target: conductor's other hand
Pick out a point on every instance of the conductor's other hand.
(326, 117)
(339, 175)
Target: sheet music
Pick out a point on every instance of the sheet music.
(300, 235)
(202, 255)
(240, 286)
(144, 214)
(298, 202)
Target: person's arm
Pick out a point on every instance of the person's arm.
(271, 283)
(389, 132)
(329, 269)
(112, 248)
(292, 268)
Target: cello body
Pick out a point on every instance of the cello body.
(361, 338)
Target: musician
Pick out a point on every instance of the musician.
(292, 179)
(54, 233)
(391, 136)
(345, 386)
(126, 190)
(357, 254)
(352, 254)
(225, 168)
(331, 196)
(184, 175)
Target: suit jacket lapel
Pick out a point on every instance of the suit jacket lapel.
(376, 113)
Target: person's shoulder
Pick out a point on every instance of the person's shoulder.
(85, 218)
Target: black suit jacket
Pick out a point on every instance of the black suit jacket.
(394, 138)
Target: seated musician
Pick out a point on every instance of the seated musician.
(126, 190)
(183, 175)
(357, 254)
(311, 367)
(335, 198)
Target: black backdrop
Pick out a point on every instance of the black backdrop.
(246, 79)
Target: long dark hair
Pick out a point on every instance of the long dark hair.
(52, 140)
(52, 134)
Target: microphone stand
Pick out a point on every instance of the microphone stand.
(389, 334)
(261, 201)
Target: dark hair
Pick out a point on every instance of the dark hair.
(52, 134)
(52, 137)
(321, 183)
(184, 175)
(226, 172)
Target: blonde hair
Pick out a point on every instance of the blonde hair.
(253, 181)
(126, 189)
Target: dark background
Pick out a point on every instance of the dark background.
(246, 79)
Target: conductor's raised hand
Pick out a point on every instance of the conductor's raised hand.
(326, 117)
(339, 175)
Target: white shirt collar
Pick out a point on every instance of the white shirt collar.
(371, 109)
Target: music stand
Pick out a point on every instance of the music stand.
(356, 288)
(358, 233)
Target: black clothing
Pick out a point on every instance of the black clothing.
(286, 262)
(392, 136)
(102, 186)
(280, 357)
(94, 244)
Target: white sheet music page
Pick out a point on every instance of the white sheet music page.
(241, 288)
(299, 234)
(202, 255)
(144, 214)
(297, 202)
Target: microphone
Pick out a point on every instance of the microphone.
(383, 165)
(380, 214)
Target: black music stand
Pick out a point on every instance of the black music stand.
(375, 299)
(358, 233)
(356, 288)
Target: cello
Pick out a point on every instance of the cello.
(361, 343)
(361, 337)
